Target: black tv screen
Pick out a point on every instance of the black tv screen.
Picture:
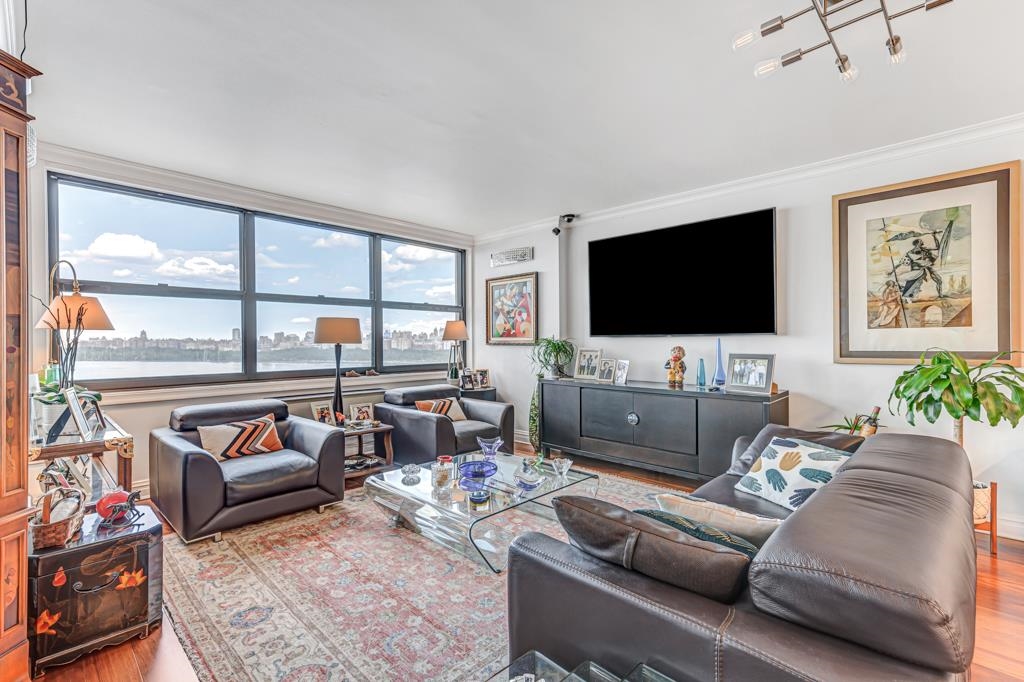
(713, 277)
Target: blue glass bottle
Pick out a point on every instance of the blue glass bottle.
(702, 379)
(719, 379)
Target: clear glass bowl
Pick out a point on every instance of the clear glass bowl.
(490, 446)
(561, 465)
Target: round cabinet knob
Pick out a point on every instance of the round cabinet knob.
(632, 419)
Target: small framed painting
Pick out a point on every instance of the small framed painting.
(606, 370)
(86, 429)
(587, 361)
(621, 370)
(750, 373)
(930, 263)
(323, 413)
(512, 310)
(361, 412)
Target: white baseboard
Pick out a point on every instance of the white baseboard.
(1011, 526)
(142, 486)
(522, 436)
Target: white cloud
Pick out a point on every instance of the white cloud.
(336, 239)
(122, 272)
(270, 247)
(446, 292)
(398, 283)
(387, 262)
(351, 290)
(300, 320)
(265, 261)
(116, 246)
(293, 280)
(418, 254)
(199, 266)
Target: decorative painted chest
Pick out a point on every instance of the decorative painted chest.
(103, 587)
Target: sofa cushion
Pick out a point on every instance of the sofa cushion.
(408, 395)
(468, 430)
(190, 417)
(751, 527)
(256, 478)
(449, 407)
(651, 547)
(701, 531)
(789, 471)
(722, 490)
(239, 439)
(839, 441)
(882, 559)
(900, 453)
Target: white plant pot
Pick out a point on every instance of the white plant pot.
(49, 414)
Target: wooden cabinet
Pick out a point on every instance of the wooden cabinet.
(648, 425)
(14, 371)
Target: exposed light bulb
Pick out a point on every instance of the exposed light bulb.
(744, 38)
(847, 71)
(768, 67)
(897, 53)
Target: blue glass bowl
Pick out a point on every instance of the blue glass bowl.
(478, 469)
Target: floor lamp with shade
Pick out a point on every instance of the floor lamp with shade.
(337, 330)
(456, 332)
(67, 316)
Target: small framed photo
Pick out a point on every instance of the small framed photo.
(621, 370)
(750, 373)
(606, 370)
(483, 378)
(74, 403)
(323, 413)
(587, 361)
(468, 380)
(361, 412)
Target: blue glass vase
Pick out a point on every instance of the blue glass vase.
(719, 379)
(702, 379)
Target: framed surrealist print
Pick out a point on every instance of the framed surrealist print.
(931, 263)
(512, 310)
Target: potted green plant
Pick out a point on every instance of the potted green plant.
(946, 382)
(550, 356)
(52, 402)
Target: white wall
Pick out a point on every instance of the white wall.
(512, 372)
(821, 391)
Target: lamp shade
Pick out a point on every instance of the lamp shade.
(62, 313)
(455, 330)
(337, 330)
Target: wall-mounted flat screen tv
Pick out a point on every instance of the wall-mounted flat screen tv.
(714, 277)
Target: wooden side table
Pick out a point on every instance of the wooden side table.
(383, 463)
(111, 438)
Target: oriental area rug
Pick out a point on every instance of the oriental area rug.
(345, 596)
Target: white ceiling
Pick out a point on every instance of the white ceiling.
(477, 115)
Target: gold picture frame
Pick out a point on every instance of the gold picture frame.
(511, 310)
(928, 263)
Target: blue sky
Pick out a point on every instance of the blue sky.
(123, 238)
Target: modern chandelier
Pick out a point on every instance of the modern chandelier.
(825, 11)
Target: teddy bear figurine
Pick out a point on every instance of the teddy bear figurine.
(675, 366)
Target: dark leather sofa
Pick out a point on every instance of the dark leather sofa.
(201, 496)
(872, 579)
(421, 436)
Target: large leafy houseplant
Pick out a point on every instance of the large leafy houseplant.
(549, 356)
(945, 382)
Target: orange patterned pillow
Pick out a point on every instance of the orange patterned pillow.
(446, 406)
(238, 439)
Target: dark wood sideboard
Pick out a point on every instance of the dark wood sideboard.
(684, 431)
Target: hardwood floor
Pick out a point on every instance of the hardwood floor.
(998, 654)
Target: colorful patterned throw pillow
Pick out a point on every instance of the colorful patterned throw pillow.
(238, 439)
(701, 531)
(790, 470)
(446, 406)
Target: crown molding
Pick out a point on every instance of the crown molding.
(1009, 125)
(53, 157)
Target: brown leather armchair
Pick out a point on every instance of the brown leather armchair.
(201, 496)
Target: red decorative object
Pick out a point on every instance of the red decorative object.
(106, 506)
(59, 578)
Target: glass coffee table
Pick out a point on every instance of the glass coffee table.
(474, 529)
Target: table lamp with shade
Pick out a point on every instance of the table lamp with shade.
(456, 332)
(337, 330)
(67, 316)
